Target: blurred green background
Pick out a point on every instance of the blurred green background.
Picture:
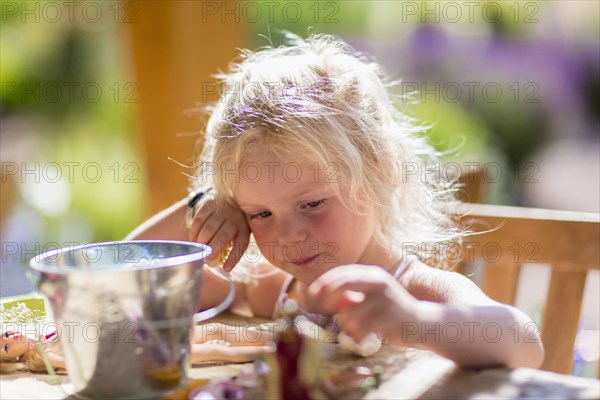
(512, 87)
(496, 81)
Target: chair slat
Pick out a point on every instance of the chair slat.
(567, 242)
(521, 240)
(500, 282)
(561, 318)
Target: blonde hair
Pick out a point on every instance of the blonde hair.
(31, 360)
(321, 99)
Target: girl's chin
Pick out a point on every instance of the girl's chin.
(308, 276)
(307, 272)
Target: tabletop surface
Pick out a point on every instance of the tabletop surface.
(407, 374)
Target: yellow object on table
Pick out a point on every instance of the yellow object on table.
(26, 308)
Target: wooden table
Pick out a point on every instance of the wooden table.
(407, 374)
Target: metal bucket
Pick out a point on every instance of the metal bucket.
(124, 312)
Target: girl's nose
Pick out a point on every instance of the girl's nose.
(291, 231)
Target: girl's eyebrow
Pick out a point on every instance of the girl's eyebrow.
(249, 206)
(309, 190)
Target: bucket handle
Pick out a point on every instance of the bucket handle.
(213, 311)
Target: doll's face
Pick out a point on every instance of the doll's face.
(13, 344)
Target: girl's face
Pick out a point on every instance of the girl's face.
(13, 344)
(299, 223)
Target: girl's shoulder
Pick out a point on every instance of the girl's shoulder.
(264, 294)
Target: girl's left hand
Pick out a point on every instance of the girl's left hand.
(219, 224)
(367, 299)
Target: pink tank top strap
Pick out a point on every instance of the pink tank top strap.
(406, 262)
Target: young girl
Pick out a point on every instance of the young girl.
(306, 151)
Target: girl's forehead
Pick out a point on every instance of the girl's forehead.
(288, 160)
(275, 153)
(272, 171)
(295, 171)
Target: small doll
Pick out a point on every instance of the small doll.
(216, 341)
(20, 352)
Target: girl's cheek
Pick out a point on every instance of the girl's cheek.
(257, 228)
(261, 235)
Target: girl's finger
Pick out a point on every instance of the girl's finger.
(344, 275)
(348, 299)
(204, 211)
(331, 298)
(332, 279)
(330, 303)
(209, 231)
(221, 239)
(240, 244)
(362, 318)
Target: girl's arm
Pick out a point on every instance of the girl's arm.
(429, 309)
(458, 321)
(166, 225)
(216, 224)
(169, 224)
(256, 298)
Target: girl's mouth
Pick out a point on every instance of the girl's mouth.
(304, 262)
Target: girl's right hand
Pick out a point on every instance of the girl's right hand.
(219, 225)
(366, 298)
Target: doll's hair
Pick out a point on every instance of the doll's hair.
(318, 100)
(31, 360)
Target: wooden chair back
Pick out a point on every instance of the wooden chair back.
(473, 186)
(567, 242)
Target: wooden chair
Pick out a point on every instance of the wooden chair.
(473, 186)
(567, 242)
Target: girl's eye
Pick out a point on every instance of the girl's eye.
(6, 348)
(313, 204)
(6, 334)
(261, 215)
